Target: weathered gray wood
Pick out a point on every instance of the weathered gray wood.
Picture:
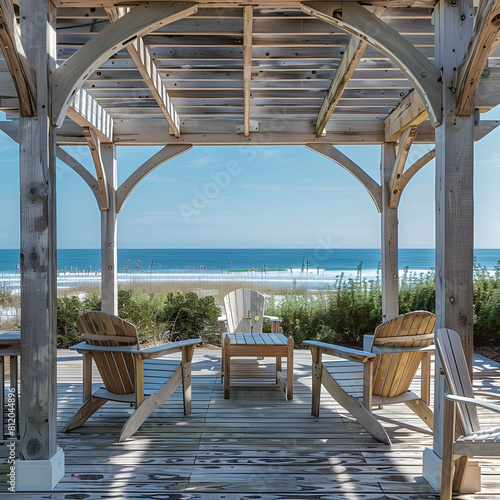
(85, 111)
(374, 190)
(109, 247)
(164, 155)
(415, 167)
(95, 150)
(69, 77)
(145, 64)
(454, 196)
(38, 243)
(468, 76)
(247, 65)
(360, 22)
(404, 145)
(389, 236)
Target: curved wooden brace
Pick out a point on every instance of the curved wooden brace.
(81, 171)
(355, 19)
(411, 171)
(482, 43)
(405, 142)
(20, 69)
(328, 151)
(146, 17)
(165, 154)
(95, 150)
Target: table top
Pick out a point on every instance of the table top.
(10, 343)
(257, 339)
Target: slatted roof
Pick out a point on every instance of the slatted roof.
(200, 60)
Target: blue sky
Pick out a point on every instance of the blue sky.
(252, 197)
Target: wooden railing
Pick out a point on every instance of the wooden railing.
(10, 347)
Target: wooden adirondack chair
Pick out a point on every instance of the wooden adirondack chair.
(244, 314)
(462, 434)
(382, 376)
(128, 373)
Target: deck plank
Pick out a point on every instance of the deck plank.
(254, 445)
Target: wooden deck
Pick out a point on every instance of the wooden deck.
(255, 445)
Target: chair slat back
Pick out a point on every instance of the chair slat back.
(394, 372)
(451, 353)
(102, 329)
(242, 306)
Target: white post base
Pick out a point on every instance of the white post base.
(39, 475)
(432, 473)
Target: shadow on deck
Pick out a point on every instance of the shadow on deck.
(255, 445)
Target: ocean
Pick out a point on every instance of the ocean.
(315, 268)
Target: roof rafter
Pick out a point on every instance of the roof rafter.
(481, 45)
(143, 19)
(147, 68)
(355, 19)
(352, 55)
(20, 69)
(247, 66)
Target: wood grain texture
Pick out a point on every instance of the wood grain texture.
(20, 69)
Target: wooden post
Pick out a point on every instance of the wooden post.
(41, 463)
(390, 272)
(109, 276)
(454, 207)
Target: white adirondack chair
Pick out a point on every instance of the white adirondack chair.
(244, 314)
(462, 434)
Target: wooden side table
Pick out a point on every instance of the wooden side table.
(259, 344)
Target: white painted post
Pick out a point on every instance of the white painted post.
(389, 230)
(41, 463)
(109, 276)
(454, 208)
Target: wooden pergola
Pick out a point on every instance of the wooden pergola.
(105, 73)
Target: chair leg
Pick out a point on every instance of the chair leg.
(187, 356)
(420, 408)
(88, 408)
(447, 461)
(149, 405)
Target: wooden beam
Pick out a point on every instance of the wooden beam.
(411, 111)
(80, 170)
(389, 272)
(87, 112)
(486, 29)
(405, 142)
(488, 91)
(165, 154)
(20, 69)
(411, 171)
(350, 59)
(143, 19)
(247, 66)
(147, 68)
(95, 150)
(373, 188)
(355, 19)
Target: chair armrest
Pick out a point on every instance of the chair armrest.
(84, 347)
(472, 401)
(272, 318)
(160, 350)
(378, 349)
(340, 351)
(221, 318)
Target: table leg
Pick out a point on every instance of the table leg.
(289, 369)
(278, 366)
(227, 368)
